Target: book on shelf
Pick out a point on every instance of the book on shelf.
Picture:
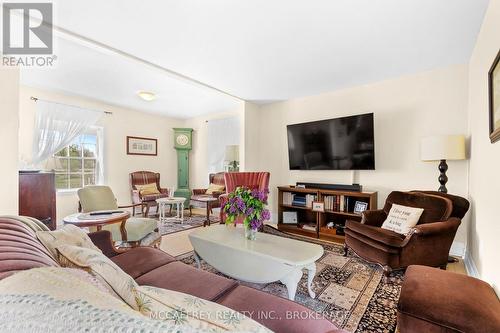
(287, 198)
(338, 203)
(299, 200)
(309, 200)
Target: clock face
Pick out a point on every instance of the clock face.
(182, 139)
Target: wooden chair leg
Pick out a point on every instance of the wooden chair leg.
(387, 273)
(346, 250)
(190, 211)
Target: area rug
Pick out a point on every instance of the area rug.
(194, 221)
(349, 291)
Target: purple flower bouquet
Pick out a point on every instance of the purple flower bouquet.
(250, 205)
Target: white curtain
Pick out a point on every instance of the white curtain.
(100, 156)
(57, 125)
(221, 133)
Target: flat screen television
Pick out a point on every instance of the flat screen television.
(345, 143)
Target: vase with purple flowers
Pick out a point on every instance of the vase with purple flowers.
(250, 207)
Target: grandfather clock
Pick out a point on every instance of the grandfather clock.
(183, 144)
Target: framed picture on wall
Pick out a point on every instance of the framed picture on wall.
(494, 99)
(142, 146)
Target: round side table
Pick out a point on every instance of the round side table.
(93, 219)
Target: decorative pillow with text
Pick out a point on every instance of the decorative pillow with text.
(402, 219)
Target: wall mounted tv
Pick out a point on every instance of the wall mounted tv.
(335, 144)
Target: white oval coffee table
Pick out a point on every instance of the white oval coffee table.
(267, 259)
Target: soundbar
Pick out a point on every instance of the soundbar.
(335, 187)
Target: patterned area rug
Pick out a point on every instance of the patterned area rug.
(349, 291)
(194, 221)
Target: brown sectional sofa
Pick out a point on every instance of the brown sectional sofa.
(21, 250)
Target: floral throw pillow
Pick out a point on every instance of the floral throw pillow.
(67, 235)
(96, 263)
(189, 311)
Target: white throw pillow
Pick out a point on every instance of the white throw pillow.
(402, 218)
(67, 235)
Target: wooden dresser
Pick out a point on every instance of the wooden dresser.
(37, 197)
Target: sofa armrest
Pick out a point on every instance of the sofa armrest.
(199, 191)
(163, 190)
(374, 217)
(102, 239)
(438, 228)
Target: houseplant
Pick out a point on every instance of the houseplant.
(249, 206)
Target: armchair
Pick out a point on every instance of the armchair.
(138, 231)
(428, 243)
(213, 178)
(145, 178)
(253, 180)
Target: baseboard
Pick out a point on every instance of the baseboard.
(470, 266)
(458, 250)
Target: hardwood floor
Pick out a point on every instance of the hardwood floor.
(178, 243)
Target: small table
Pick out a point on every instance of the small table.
(84, 220)
(207, 200)
(164, 202)
(266, 259)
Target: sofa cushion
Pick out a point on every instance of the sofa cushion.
(67, 235)
(447, 301)
(153, 197)
(186, 279)
(140, 260)
(277, 314)
(384, 236)
(103, 268)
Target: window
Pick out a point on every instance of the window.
(77, 164)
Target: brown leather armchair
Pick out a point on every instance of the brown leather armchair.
(144, 178)
(427, 244)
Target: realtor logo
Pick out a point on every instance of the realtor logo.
(27, 34)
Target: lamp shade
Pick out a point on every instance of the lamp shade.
(447, 147)
(232, 153)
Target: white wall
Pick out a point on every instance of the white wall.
(406, 109)
(9, 126)
(484, 231)
(124, 122)
(198, 167)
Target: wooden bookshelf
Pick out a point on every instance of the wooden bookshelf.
(319, 220)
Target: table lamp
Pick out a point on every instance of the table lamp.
(232, 157)
(442, 148)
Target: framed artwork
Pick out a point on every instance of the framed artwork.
(318, 206)
(494, 97)
(360, 207)
(290, 217)
(142, 146)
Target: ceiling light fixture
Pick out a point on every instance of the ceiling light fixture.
(146, 95)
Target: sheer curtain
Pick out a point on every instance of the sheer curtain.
(221, 133)
(57, 125)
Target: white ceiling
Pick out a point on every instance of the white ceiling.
(260, 50)
(104, 76)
